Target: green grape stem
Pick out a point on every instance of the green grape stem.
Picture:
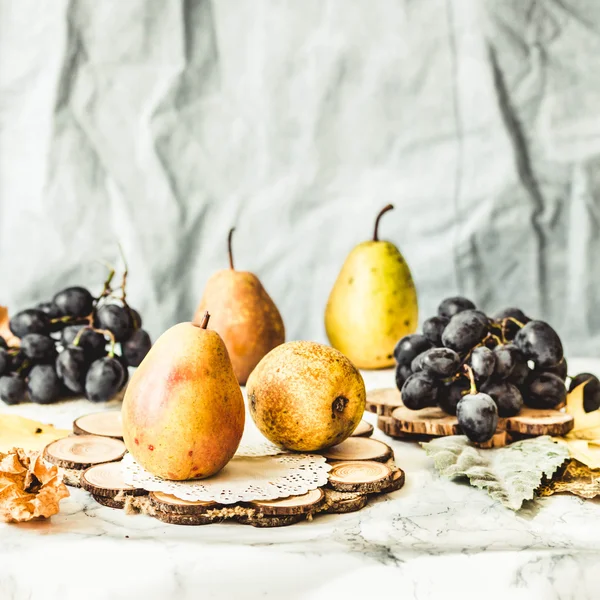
(111, 336)
(471, 376)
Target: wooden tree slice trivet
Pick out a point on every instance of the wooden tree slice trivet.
(344, 502)
(106, 480)
(364, 429)
(427, 421)
(173, 505)
(269, 521)
(110, 502)
(178, 519)
(362, 477)
(500, 439)
(532, 421)
(294, 505)
(396, 483)
(106, 424)
(383, 401)
(84, 451)
(358, 448)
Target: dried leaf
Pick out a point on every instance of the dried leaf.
(575, 478)
(5, 331)
(510, 474)
(29, 487)
(587, 425)
(19, 432)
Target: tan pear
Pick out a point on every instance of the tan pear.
(243, 314)
(183, 412)
(306, 396)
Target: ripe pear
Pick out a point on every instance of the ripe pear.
(244, 315)
(183, 412)
(306, 396)
(373, 303)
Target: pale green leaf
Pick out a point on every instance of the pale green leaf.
(510, 474)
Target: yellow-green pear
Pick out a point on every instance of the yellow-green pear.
(373, 303)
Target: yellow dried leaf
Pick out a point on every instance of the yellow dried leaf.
(29, 487)
(585, 423)
(5, 331)
(575, 478)
(19, 432)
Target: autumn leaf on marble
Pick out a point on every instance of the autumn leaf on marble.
(510, 474)
(573, 478)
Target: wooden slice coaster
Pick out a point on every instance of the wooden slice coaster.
(177, 519)
(106, 480)
(396, 483)
(105, 424)
(84, 451)
(364, 429)
(532, 421)
(172, 505)
(269, 521)
(358, 448)
(427, 421)
(344, 502)
(500, 439)
(110, 502)
(383, 401)
(362, 477)
(294, 505)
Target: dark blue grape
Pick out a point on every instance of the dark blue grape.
(38, 348)
(92, 342)
(560, 369)
(440, 362)
(4, 361)
(103, 379)
(409, 347)
(591, 392)
(116, 319)
(510, 327)
(71, 368)
(419, 391)
(74, 302)
(449, 395)
(3, 343)
(433, 329)
(136, 319)
(30, 321)
(454, 305)
(483, 363)
(507, 397)
(540, 343)
(545, 390)
(43, 384)
(125, 366)
(465, 330)
(417, 363)
(402, 374)
(477, 416)
(136, 347)
(12, 389)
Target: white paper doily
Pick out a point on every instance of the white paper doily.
(243, 479)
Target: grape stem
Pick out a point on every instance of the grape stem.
(111, 336)
(504, 323)
(381, 213)
(469, 372)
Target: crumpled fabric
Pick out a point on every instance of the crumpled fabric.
(163, 124)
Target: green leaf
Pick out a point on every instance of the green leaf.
(510, 474)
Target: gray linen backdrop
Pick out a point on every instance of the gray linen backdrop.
(161, 123)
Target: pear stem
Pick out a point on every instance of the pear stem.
(381, 213)
(205, 320)
(229, 247)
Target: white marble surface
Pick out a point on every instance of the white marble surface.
(432, 539)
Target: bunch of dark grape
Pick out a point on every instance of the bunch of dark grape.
(480, 368)
(75, 344)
